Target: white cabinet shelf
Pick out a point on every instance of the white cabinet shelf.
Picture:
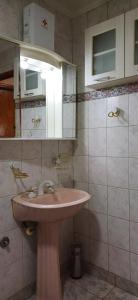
(104, 52)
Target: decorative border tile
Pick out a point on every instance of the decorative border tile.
(106, 93)
(33, 103)
(17, 105)
(30, 103)
(42, 102)
(69, 98)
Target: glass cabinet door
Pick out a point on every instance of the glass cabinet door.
(104, 51)
(131, 43)
(31, 80)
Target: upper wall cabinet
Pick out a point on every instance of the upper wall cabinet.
(131, 43)
(104, 51)
(32, 83)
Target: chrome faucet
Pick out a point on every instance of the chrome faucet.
(47, 186)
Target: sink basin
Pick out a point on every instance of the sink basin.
(49, 210)
(54, 207)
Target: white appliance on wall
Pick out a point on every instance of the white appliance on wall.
(39, 26)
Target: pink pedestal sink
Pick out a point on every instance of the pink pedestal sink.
(48, 210)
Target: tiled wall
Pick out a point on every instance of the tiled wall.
(106, 162)
(106, 165)
(18, 262)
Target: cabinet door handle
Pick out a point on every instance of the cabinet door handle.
(29, 94)
(104, 78)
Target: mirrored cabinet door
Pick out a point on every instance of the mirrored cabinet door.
(104, 51)
(131, 43)
(48, 99)
(37, 97)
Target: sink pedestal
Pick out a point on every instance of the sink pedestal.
(48, 210)
(48, 267)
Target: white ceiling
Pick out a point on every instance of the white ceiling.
(73, 8)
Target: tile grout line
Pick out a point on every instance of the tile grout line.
(107, 182)
(89, 222)
(129, 186)
(108, 294)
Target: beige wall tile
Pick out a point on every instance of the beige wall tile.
(119, 262)
(133, 237)
(134, 267)
(11, 280)
(117, 7)
(97, 170)
(133, 4)
(14, 251)
(98, 227)
(97, 142)
(81, 168)
(118, 202)
(81, 144)
(118, 233)
(117, 172)
(99, 254)
(97, 15)
(134, 205)
(98, 201)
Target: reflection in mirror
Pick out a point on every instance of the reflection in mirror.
(41, 99)
(9, 53)
(48, 99)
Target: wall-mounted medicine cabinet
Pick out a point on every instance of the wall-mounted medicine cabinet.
(37, 93)
(111, 50)
(104, 50)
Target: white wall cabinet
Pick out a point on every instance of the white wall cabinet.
(32, 84)
(104, 51)
(131, 43)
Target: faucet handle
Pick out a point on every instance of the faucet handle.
(48, 184)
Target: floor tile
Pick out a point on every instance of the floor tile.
(118, 294)
(75, 292)
(92, 288)
(94, 285)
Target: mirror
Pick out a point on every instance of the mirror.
(9, 53)
(37, 96)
